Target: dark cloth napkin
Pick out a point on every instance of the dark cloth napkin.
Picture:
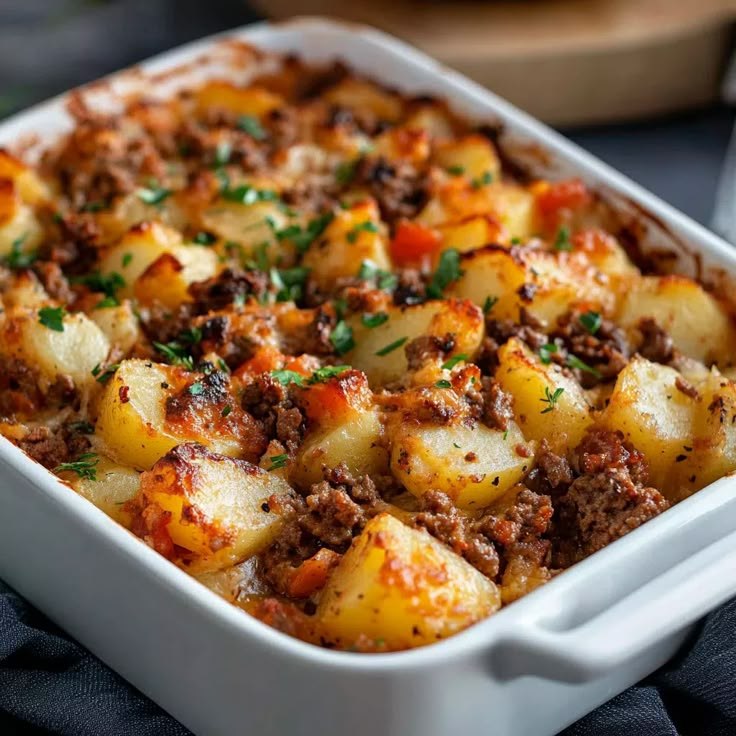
(49, 684)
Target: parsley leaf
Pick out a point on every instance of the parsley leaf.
(250, 124)
(322, 375)
(489, 303)
(448, 270)
(153, 195)
(484, 180)
(574, 362)
(52, 317)
(226, 410)
(107, 283)
(374, 320)
(302, 237)
(450, 363)
(246, 194)
(391, 347)
(365, 226)
(551, 399)
(83, 466)
(289, 282)
(285, 377)
(384, 279)
(204, 238)
(456, 170)
(545, 352)
(175, 353)
(443, 384)
(342, 338)
(278, 461)
(345, 171)
(17, 259)
(103, 376)
(562, 241)
(196, 389)
(591, 321)
(222, 153)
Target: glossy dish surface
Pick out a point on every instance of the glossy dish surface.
(333, 351)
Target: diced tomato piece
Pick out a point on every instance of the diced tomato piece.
(414, 244)
(569, 195)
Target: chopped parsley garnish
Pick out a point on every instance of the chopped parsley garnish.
(204, 238)
(366, 226)
(84, 466)
(489, 303)
(484, 180)
(374, 320)
(302, 237)
(17, 259)
(95, 206)
(322, 375)
(222, 153)
(562, 241)
(153, 195)
(450, 363)
(191, 335)
(196, 389)
(551, 399)
(384, 279)
(392, 346)
(175, 353)
(83, 427)
(246, 194)
(278, 461)
(52, 317)
(107, 283)
(545, 352)
(222, 365)
(515, 240)
(285, 377)
(342, 338)
(250, 124)
(103, 376)
(448, 270)
(575, 362)
(345, 171)
(591, 321)
(226, 410)
(443, 384)
(289, 282)
(456, 170)
(126, 260)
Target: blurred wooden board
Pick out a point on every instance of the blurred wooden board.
(565, 61)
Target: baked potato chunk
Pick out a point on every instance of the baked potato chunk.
(54, 343)
(215, 508)
(563, 420)
(655, 416)
(119, 324)
(379, 351)
(472, 465)
(402, 586)
(111, 488)
(697, 323)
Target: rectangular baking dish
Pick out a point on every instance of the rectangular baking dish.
(529, 670)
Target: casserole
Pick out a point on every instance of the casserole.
(200, 649)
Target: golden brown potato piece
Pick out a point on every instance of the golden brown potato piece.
(401, 586)
(213, 507)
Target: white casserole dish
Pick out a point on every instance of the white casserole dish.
(529, 670)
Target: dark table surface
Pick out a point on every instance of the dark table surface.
(47, 46)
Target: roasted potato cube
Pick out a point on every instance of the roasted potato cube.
(471, 464)
(217, 507)
(472, 233)
(653, 414)
(74, 350)
(114, 485)
(562, 421)
(159, 248)
(380, 351)
(119, 324)
(27, 182)
(353, 236)
(402, 586)
(473, 155)
(359, 94)
(19, 227)
(697, 323)
(241, 101)
(132, 414)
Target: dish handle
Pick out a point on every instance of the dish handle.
(565, 648)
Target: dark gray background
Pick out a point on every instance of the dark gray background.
(47, 46)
